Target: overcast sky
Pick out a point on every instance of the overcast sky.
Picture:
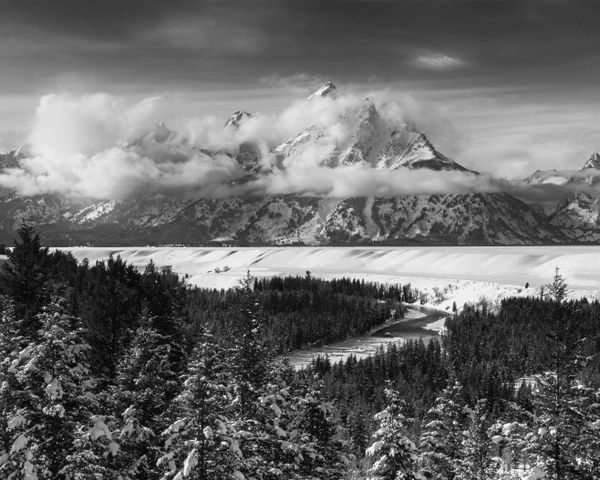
(517, 79)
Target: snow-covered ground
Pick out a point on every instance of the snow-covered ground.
(445, 274)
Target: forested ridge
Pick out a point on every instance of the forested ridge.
(109, 372)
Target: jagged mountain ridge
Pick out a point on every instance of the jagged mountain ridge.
(373, 141)
(589, 174)
(463, 219)
(578, 213)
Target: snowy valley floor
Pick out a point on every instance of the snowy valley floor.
(466, 273)
(445, 275)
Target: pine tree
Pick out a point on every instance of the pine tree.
(557, 290)
(50, 396)
(145, 386)
(509, 435)
(477, 460)
(11, 343)
(25, 277)
(564, 408)
(200, 442)
(313, 428)
(442, 434)
(564, 436)
(250, 358)
(393, 455)
(359, 431)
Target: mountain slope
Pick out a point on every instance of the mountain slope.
(578, 215)
(359, 134)
(462, 219)
(372, 139)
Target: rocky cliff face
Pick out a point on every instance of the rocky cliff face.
(461, 219)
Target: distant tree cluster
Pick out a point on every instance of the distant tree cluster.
(298, 312)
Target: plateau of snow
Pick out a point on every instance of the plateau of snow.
(446, 274)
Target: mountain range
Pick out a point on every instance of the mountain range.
(292, 219)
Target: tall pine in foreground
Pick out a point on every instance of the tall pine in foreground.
(442, 435)
(250, 357)
(50, 397)
(145, 386)
(393, 455)
(477, 459)
(25, 277)
(200, 442)
(565, 432)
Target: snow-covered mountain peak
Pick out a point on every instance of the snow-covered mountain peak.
(411, 149)
(371, 139)
(593, 161)
(162, 133)
(11, 159)
(327, 90)
(237, 118)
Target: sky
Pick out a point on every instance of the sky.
(517, 80)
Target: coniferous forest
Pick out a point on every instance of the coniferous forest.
(107, 372)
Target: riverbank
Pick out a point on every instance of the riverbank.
(413, 326)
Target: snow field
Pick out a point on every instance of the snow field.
(444, 274)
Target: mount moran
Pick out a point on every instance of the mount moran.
(160, 218)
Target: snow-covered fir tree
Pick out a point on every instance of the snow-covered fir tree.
(565, 431)
(200, 442)
(564, 435)
(315, 433)
(477, 459)
(145, 386)
(51, 395)
(442, 434)
(509, 436)
(393, 455)
(25, 278)
(249, 357)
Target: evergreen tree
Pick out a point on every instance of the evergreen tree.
(200, 442)
(564, 436)
(509, 435)
(313, 429)
(393, 455)
(11, 342)
(250, 358)
(145, 386)
(557, 290)
(25, 277)
(358, 429)
(477, 459)
(564, 408)
(110, 303)
(443, 433)
(51, 394)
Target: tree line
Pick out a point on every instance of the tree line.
(110, 372)
(506, 395)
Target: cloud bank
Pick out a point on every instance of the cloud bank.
(98, 146)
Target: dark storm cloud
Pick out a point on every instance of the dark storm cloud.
(185, 40)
